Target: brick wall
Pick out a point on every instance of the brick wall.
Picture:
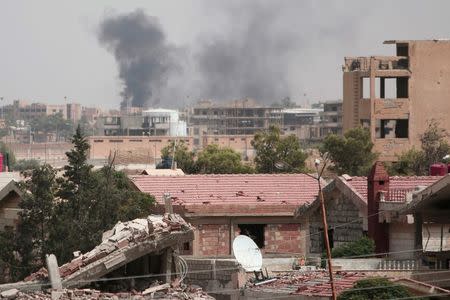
(340, 210)
(213, 239)
(283, 238)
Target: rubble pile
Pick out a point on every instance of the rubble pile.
(186, 293)
(124, 234)
(311, 283)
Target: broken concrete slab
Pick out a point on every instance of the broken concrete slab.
(9, 294)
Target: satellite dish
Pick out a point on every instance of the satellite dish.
(247, 253)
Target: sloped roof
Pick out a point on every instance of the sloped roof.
(359, 183)
(8, 184)
(7, 177)
(355, 188)
(272, 194)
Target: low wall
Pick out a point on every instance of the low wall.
(222, 278)
(357, 264)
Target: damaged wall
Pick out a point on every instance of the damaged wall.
(340, 210)
(279, 235)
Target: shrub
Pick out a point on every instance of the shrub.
(363, 246)
(375, 288)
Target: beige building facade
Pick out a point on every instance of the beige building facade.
(135, 149)
(397, 96)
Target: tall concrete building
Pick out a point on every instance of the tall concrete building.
(238, 117)
(397, 96)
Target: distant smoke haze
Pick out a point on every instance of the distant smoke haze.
(144, 57)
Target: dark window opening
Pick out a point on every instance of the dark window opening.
(381, 182)
(330, 238)
(253, 231)
(402, 87)
(402, 50)
(186, 246)
(392, 128)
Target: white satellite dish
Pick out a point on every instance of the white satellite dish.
(247, 253)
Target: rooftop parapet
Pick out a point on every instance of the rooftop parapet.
(381, 63)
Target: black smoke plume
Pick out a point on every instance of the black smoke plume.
(145, 59)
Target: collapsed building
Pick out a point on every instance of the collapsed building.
(131, 257)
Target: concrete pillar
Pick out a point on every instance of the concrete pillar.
(167, 264)
(53, 272)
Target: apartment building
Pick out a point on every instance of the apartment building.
(22, 110)
(151, 122)
(396, 96)
(331, 118)
(302, 122)
(239, 117)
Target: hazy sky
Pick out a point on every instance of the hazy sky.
(271, 49)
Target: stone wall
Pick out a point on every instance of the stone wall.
(340, 210)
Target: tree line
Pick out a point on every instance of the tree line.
(351, 153)
(67, 213)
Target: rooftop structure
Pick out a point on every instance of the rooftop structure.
(224, 206)
(396, 96)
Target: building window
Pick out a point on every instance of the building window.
(116, 141)
(98, 141)
(196, 142)
(136, 141)
(253, 231)
(391, 128)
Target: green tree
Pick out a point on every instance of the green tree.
(38, 195)
(216, 160)
(25, 164)
(272, 149)
(55, 123)
(434, 147)
(352, 153)
(183, 157)
(375, 288)
(10, 267)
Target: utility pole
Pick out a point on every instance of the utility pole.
(325, 228)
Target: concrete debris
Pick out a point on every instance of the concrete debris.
(125, 242)
(9, 294)
(185, 293)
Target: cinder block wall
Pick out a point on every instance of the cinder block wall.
(214, 239)
(213, 274)
(284, 238)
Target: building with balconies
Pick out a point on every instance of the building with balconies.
(151, 122)
(395, 97)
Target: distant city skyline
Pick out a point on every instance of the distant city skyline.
(51, 50)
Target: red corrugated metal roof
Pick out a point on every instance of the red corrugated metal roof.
(235, 189)
(359, 183)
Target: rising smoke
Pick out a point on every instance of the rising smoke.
(144, 57)
(265, 52)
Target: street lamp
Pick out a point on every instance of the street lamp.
(317, 162)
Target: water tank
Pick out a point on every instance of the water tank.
(1, 162)
(438, 169)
